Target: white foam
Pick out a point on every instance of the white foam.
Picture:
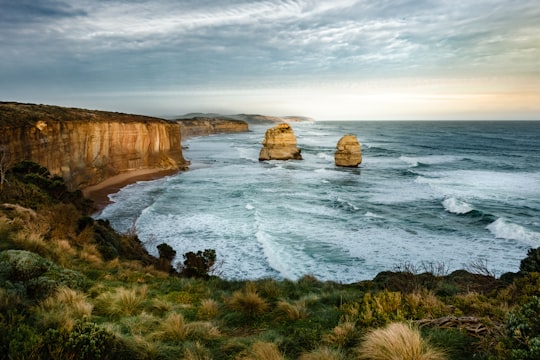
(249, 207)
(413, 161)
(372, 215)
(456, 206)
(325, 156)
(503, 229)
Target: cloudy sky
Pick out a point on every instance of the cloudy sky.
(339, 59)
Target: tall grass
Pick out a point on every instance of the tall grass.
(397, 341)
(341, 335)
(208, 310)
(293, 311)
(263, 351)
(122, 302)
(248, 302)
(64, 308)
(323, 353)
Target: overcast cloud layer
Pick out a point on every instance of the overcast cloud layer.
(340, 59)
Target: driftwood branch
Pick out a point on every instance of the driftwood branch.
(476, 327)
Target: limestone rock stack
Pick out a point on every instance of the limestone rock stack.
(349, 152)
(280, 144)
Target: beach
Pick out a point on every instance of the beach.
(100, 192)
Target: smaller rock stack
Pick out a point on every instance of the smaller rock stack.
(349, 152)
(280, 144)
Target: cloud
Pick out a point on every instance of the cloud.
(167, 45)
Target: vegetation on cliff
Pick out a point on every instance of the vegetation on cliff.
(19, 114)
(71, 287)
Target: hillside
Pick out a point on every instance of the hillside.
(71, 287)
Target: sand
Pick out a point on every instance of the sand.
(99, 193)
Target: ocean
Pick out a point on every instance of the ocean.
(444, 194)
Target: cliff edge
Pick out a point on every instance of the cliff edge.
(203, 126)
(86, 147)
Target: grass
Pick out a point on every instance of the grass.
(248, 301)
(263, 351)
(397, 341)
(64, 308)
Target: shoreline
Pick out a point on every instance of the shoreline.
(100, 192)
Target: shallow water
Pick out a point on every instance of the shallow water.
(451, 192)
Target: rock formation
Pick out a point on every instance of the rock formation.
(280, 144)
(349, 152)
(202, 126)
(86, 147)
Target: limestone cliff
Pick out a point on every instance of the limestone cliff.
(86, 147)
(202, 126)
(280, 144)
(349, 152)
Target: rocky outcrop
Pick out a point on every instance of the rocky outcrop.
(349, 152)
(203, 126)
(86, 147)
(280, 144)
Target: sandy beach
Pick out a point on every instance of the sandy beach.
(99, 193)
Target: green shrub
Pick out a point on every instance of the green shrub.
(198, 265)
(532, 262)
(86, 341)
(523, 331)
(34, 276)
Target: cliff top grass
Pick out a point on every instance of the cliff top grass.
(13, 114)
(71, 287)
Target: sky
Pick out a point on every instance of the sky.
(330, 60)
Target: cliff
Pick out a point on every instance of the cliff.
(202, 126)
(86, 147)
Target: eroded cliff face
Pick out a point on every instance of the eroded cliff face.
(349, 151)
(87, 147)
(280, 144)
(202, 126)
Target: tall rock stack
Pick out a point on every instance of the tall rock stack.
(349, 152)
(280, 144)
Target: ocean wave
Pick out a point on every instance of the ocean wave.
(369, 214)
(415, 161)
(325, 156)
(456, 206)
(503, 229)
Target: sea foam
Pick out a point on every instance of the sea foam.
(456, 206)
(503, 229)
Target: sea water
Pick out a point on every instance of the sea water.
(450, 193)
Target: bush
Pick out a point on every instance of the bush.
(523, 331)
(86, 341)
(532, 262)
(31, 275)
(198, 265)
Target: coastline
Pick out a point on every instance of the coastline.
(100, 192)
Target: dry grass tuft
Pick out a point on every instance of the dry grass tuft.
(122, 302)
(263, 351)
(341, 335)
(197, 352)
(176, 328)
(424, 304)
(294, 311)
(322, 354)
(64, 308)
(91, 255)
(397, 341)
(248, 302)
(208, 310)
